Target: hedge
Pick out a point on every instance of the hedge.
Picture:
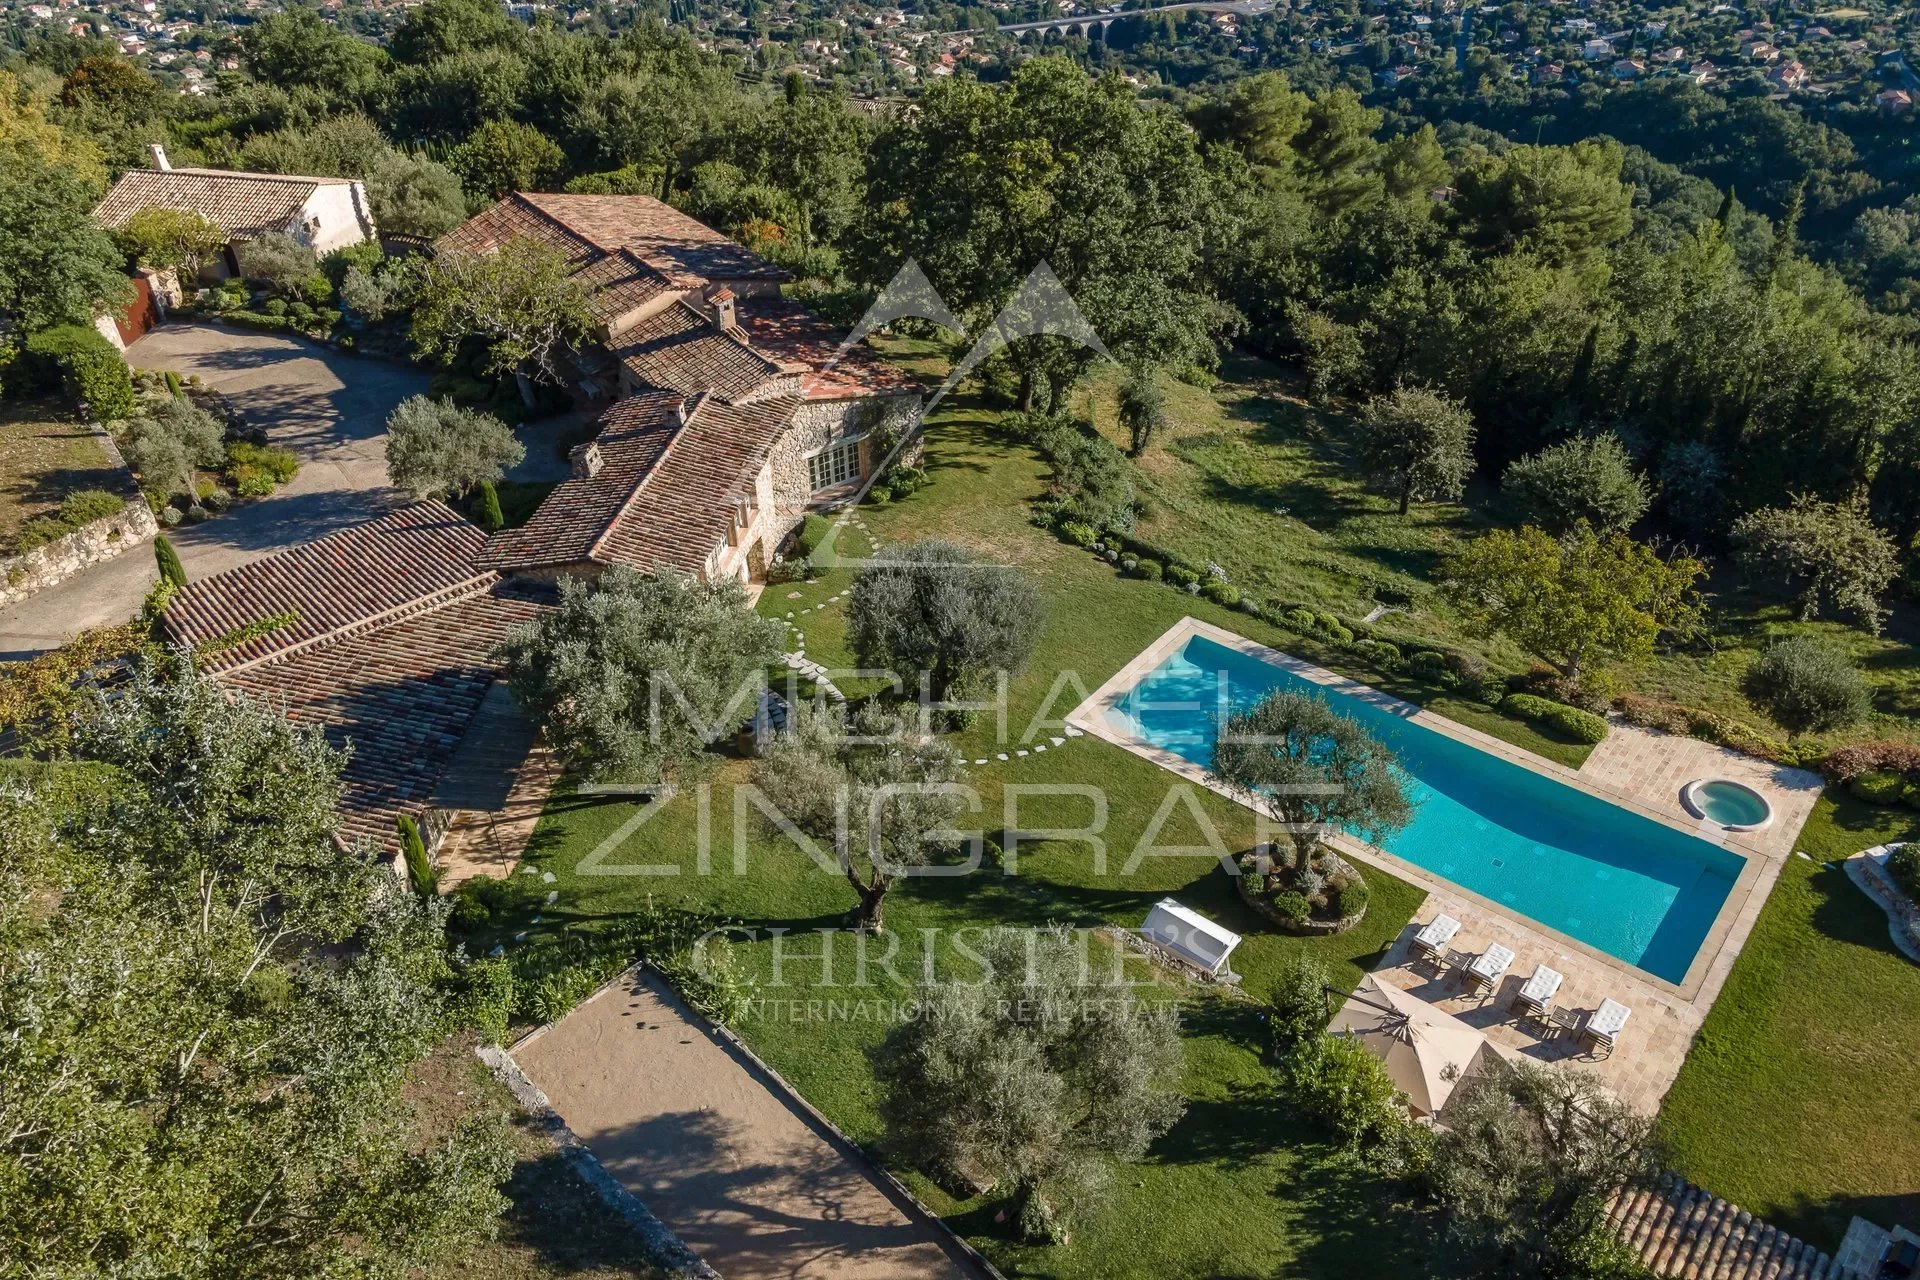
(93, 372)
(1582, 726)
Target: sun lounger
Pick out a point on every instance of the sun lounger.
(1604, 1025)
(1431, 942)
(1533, 998)
(1489, 966)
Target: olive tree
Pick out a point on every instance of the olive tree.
(1807, 684)
(1587, 478)
(1416, 444)
(1314, 768)
(436, 447)
(1143, 408)
(173, 239)
(208, 1010)
(937, 612)
(1034, 1072)
(521, 300)
(1826, 553)
(881, 794)
(634, 675)
(1527, 1163)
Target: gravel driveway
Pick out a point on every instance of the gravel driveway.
(328, 407)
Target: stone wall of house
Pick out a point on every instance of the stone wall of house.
(816, 424)
(40, 568)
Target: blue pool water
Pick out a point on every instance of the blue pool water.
(1632, 887)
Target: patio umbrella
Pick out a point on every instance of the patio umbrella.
(1426, 1051)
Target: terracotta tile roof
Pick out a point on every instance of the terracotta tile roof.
(399, 696)
(634, 432)
(681, 350)
(1679, 1230)
(656, 232)
(685, 508)
(407, 560)
(789, 333)
(242, 204)
(511, 219)
(666, 491)
(618, 283)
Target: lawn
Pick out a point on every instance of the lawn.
(1256, 480)
(1797, 1102)
(46, 453)
(1237, 1189)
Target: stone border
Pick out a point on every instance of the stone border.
(1308, 928)
(1870, 875)
(669, 1249)
(774, 1081)
(1723, 939)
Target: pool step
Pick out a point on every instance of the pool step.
(1682, 1232)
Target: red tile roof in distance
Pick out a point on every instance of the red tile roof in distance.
(240, 204)
(406, 560)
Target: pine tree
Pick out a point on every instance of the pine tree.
(486, 508)
(171, 570)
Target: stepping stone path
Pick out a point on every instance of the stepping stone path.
(813, 671)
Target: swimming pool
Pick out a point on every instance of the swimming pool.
(1634, 888)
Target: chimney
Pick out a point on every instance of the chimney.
(585, 460)
(159, 154)
(721, 302)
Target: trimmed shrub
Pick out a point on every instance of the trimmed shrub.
(1151, 570)
(1299, 619)
(1351, 900)
(1292, 906)
(1078, 533)
(1807, 684)
(1469, 673)
(168, 560)
(1880, 787)
(813, 532)
(1221, 593)
(1181, 576)
(1384, 654)
(1429, 665)
(91, 370)
(1581, 726)
(1904, 866)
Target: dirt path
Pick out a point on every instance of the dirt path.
(690, 1127)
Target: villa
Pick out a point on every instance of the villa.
(735, 413)
(322, 213)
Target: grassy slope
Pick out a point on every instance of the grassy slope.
(45, 454)
(1797, 1100)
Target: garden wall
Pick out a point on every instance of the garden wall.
(25, 575)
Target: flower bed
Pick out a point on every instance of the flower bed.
(1329, 910)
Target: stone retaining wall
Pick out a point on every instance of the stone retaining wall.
(25, 575)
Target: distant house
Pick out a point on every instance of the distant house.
(1596, 49)
(1628, 69)
(1894, 102)
(322, 213)
(1790, 75)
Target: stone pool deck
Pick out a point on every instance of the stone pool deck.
(1635, 769)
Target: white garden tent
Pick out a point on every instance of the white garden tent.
(1427, 1051)
(1189, 935)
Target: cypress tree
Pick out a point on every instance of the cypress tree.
(486, 508)
(171, 570)
(413, 852)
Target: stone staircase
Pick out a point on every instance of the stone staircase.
(1684, 1233)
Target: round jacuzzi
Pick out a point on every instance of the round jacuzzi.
(1727, 803)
